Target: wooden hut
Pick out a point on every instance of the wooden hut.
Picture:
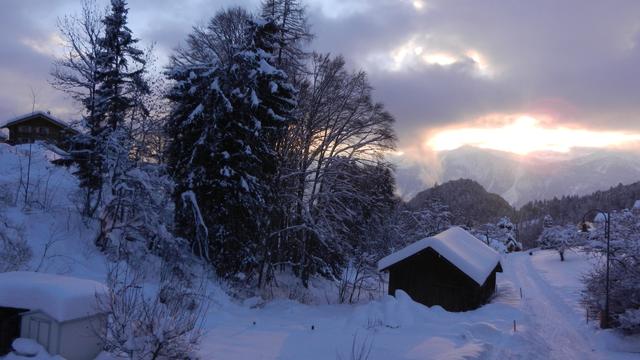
(452, 269)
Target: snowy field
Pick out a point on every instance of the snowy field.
(550, 324)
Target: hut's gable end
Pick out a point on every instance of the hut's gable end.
(431, 279)
(427, 266)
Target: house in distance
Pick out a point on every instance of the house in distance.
(39, 126)
(452, 269)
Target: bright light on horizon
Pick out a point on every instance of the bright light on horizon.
(526, 134)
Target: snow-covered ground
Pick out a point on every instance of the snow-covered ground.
(550, 324)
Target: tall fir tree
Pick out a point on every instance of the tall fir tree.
(223, 130)
(293, 33)
(121, 66)
(103, 152)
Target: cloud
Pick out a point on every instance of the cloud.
(434, 63)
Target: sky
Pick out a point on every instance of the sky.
(519, 76)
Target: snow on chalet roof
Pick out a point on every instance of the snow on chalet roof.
(21, 118)
(462, 249)
(61, 297)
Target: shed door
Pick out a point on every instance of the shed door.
(40, 331)
(9, 327)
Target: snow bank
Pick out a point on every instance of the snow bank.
(28, 349)
(61, 297)
(462, 249)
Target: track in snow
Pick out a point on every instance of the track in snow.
(554, 328)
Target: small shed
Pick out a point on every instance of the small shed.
(452, 269)
(59, 312)
(39, 126)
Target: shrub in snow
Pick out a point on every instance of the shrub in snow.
(152, 324)
(630, 320)
(15, 252)
(360, 349)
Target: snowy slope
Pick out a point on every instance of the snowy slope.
(60, 238)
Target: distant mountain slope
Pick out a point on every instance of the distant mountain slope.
(520, 179)
(570, 209)
(467, 200)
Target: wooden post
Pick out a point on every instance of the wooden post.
(514, 326)
(520, 293)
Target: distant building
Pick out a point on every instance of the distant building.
(452, 269)
(39, 126)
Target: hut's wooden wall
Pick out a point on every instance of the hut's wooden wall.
(37, 128)
(432, 280)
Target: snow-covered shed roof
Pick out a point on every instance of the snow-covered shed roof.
(459, 247)
(48, 116)
(61, 297)
(600, 217)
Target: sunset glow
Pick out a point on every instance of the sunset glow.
(526, 134)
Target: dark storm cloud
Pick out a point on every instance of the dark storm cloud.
(580, 60)
(582, 55)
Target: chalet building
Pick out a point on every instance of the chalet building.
(39, 126)
(452, 269)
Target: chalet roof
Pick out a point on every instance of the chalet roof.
(29, 116)
(463, 250)
(63, 298)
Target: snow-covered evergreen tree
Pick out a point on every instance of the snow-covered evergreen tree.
(120, 69)
(224, 127)
(507, 234)
(102, 153)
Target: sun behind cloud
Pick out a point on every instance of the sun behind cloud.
(524, 134)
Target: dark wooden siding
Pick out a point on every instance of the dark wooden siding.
(38, 128)
(9, 327)
(431, 279)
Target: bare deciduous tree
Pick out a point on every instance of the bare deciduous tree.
(163, 324)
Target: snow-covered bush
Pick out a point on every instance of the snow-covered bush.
(149, 323)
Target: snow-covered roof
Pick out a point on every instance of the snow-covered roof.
(61, 297)
(600, 217)
(459, 247)
(21, 118)
(636, 205)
